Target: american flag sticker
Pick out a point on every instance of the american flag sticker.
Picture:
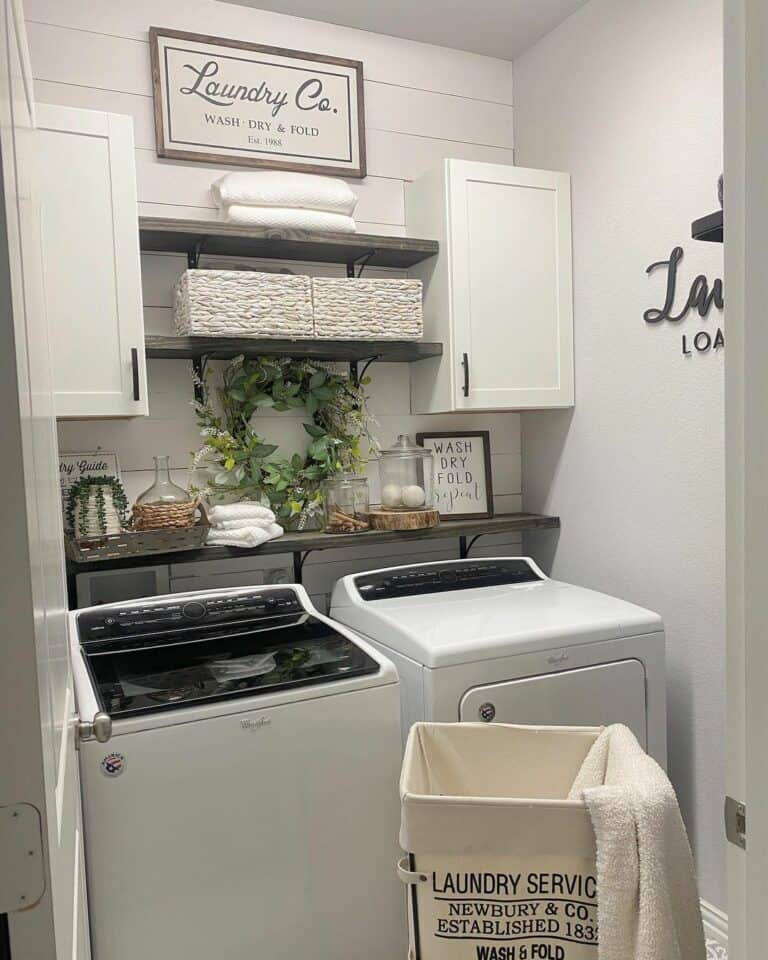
(113, 765)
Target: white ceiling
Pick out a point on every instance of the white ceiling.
(496, 28)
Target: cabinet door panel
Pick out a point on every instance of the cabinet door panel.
(511, 239)
(91, 261)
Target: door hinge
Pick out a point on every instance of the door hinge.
(736, 822)
(22, 881)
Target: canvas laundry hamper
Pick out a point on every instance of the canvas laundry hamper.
(499, 865)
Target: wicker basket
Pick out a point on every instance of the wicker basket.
(164, 516)
(352, 309)
(242, 303)
(133, 543)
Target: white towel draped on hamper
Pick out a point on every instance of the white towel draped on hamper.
(648, 905)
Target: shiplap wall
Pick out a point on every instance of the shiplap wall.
(422, 104)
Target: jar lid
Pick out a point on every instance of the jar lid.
(340, 478)
(405, 446)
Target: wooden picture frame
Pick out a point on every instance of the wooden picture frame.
(457, 482)
(276, 109)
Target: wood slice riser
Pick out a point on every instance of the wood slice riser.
(404, 519)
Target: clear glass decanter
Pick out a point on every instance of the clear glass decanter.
(164, 490)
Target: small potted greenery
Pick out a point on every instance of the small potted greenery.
(96, 507)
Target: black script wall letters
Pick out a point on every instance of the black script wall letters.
(700, 298)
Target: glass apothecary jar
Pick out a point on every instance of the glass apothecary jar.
(346, 504)
(406, 476)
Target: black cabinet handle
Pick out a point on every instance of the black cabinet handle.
(135, 370)
(465, 364)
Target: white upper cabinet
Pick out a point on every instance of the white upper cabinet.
(87, 190)
(498, 295)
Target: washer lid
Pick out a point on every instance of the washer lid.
(483, 623)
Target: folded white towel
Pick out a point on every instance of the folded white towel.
(245, 510)
(247, 537)
(648, 905)
(244, 523)
(286, 218)
(278, 188)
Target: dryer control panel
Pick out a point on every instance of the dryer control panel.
(443, 578)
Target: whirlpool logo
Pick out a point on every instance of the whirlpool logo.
(555, 658)
(255, 723)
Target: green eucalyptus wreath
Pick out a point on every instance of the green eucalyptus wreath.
(79, 494)
(240, 463)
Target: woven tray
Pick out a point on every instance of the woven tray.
(135, 543)
(354, 309)
(242, 303)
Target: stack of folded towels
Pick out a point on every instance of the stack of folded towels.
(286, 201)
(242, 525)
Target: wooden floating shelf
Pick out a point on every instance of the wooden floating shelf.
(303, 543)
(709, 228)
(216, 238)
(224, 348)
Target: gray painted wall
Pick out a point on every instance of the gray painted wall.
(627, 97)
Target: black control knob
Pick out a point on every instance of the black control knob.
(270, 602)
(193, 610)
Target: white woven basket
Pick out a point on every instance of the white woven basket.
(242, 303)
(352, 309)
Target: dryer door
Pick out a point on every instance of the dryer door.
(590, 696)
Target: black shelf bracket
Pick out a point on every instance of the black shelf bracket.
(465, 547)
(355, 374)
(363, 263)
(193, 255)
(199, 365)
(299, 559)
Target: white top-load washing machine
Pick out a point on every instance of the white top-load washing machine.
(246, 802)
(485, 640)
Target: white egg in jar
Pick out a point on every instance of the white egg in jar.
(392, 495)
(413, 495)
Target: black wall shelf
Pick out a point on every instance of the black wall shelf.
(224, 348)
(301, 544)
(197, 237)
(708, 228)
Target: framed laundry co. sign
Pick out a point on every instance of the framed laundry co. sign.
(228, 101)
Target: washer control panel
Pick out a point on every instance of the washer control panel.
(443, 578)
(168, 614)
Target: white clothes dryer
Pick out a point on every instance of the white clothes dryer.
(498, 640)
